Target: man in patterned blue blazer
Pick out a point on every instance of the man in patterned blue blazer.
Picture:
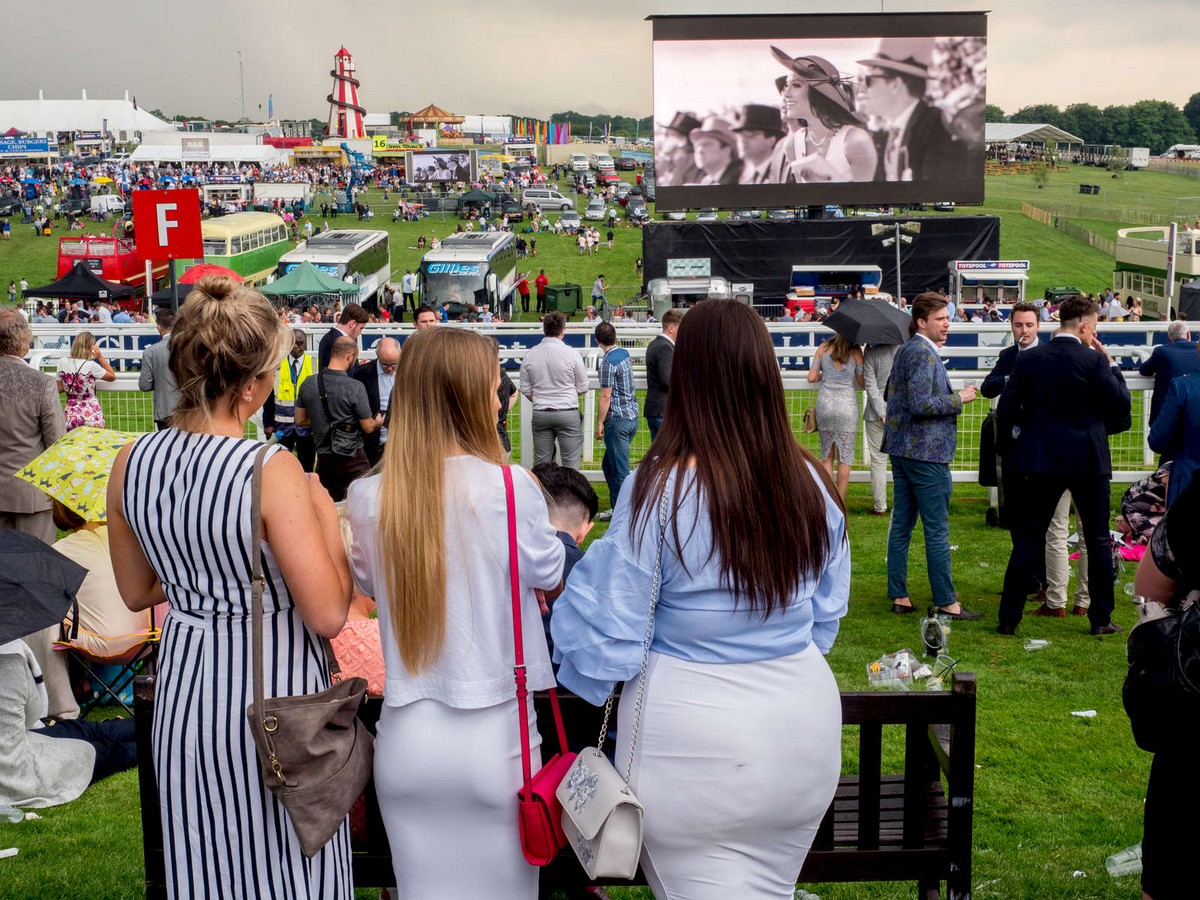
(921, 435)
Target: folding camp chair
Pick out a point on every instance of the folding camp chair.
(110, 662)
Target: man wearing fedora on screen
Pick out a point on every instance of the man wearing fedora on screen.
(758, 131)
(676, 149)
(714, 146)
(914, 144)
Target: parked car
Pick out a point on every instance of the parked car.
(626, 163)
(637, 211)
(512, 209)
(608, 176)
(707, 214)
(944, 206)
(579, 163)
(76, 206)
(546, 198)
(10, 205)
(782, 215)
(585, 179)
(745, 214)
(596, 210)
(570, 219)
(602, 162)
(675, 215)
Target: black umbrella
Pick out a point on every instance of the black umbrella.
(870, 322)
(37, 585)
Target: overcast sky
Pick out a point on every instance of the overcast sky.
(527, 57)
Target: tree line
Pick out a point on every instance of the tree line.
(1156, 124)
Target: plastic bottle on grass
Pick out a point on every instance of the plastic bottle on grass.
(1127, 862)
(8, 814)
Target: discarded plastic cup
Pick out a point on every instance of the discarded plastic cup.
(1129, 589)
(8, 814)
(985, 565)
(1036, 644)
(943, 666)
(1127, 862)
(1084, 713)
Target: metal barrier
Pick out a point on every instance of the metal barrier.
(127, 409)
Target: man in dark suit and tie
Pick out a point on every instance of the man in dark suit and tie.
(379, 377)
(916, 145)
(1176, 357)
(659, 355)
(1061, 403)
(758, 131)
(350, 324)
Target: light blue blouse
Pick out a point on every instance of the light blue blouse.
(599, 621)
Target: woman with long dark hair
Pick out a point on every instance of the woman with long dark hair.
(755, 578)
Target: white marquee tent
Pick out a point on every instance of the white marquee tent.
(45, 118)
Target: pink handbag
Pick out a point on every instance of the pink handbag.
(538, 808)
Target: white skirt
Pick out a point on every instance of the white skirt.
(735, 766)
(447, 781)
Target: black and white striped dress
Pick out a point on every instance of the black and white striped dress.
(187, 499)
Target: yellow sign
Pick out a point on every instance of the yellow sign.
(379, 142)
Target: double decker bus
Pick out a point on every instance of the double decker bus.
(249, 243)
(112, 258)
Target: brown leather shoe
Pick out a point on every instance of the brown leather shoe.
(1110, 628)
(1052, 612)
(1078, 610)
(879, 512)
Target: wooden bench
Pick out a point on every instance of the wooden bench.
(911, 825)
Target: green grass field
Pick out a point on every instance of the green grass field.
(1056, 259)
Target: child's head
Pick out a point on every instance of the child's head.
(573, 501)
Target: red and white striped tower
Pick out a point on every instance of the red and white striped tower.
(345, 115)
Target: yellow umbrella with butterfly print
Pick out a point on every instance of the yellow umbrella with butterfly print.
(74, 469)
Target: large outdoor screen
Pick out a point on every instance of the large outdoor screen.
(426, 166)
(772, 111)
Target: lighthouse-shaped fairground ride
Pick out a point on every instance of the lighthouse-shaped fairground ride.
(345, 113)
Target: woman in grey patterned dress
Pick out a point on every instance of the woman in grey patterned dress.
(837, 370)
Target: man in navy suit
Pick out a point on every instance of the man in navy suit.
(1176, 357)
(1061, 403)
(920, 434)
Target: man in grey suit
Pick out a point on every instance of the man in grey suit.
(659, 355)
(156, 372)
(877, 366)
(32, 421)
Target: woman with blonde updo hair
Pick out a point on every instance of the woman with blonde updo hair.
(431, 546)
(77, 377)
(179, 520)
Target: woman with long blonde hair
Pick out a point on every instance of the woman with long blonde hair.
(431, 546)
(77, 377)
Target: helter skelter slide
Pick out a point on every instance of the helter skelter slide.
(345, 113)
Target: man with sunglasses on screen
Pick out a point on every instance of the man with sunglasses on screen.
(914, 144)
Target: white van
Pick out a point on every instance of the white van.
(546, 198)
(579, 163)
(603, 162)
(107, 204)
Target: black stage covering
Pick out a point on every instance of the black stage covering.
(763, 252)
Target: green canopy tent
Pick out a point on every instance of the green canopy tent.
(306, 280)
(477, 196)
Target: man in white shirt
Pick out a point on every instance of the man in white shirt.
(408, 289)
(552, 378)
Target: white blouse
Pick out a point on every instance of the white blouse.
(475, 667)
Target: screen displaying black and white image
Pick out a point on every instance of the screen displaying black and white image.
(805, 110)
(425, 166)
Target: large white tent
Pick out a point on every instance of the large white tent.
(1025, 133)
(47, 118)
(260, 154)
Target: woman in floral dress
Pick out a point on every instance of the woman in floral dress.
(77, 377)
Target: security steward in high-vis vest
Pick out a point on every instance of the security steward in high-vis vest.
(280, 417)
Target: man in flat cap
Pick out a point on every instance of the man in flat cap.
(758, 131)
(676, 150)
(914, 143)
(714, 146)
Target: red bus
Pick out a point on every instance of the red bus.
(112, 258)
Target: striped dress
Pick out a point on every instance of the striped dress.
(187, 499)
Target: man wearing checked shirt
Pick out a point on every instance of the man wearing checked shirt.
(617, 419)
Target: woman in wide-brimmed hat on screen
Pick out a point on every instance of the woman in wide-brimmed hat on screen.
(833, 145)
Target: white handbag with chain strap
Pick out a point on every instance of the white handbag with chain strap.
(602, 819)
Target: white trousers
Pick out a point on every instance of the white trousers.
(1058, 567)
(447, 781)
(735, 765)
(878, 461)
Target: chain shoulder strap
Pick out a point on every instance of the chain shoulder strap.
(655, 583)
